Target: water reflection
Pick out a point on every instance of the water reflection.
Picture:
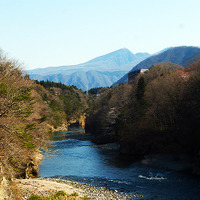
(67, 134)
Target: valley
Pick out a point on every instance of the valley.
(134, 126)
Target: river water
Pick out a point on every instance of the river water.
(74, 157)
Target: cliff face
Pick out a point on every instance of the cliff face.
(78, 121)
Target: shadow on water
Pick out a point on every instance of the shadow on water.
(73, 132)
(81, 160)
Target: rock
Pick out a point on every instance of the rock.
(80, 121)
(32, 170)
(63, 127)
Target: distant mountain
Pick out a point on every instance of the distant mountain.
(178, 55)
(98, 72)
(115, 60)
(84, 80)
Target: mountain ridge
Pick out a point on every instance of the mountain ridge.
(123, 52)
(178, 55)
(117, 63)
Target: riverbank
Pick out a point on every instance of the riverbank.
(48, 186)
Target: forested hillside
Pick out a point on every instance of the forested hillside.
(181, 55)
(72, 100)
(28, 112)
(158, 113)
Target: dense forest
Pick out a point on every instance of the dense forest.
(159, 112)
(73, 100)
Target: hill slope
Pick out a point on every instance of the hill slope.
(178, 55)
(28, 112)
(157, 114)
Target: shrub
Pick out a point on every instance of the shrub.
(30, 145)
(75, 194)
(34, 197)
(30, 126)
(55, 106)
(59, 193)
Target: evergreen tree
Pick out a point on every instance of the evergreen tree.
(140, 88)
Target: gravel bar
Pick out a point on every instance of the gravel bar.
(47, 186)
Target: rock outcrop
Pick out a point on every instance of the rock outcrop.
(79, 121)
(103, 125)
(63, 127)
(32, 170)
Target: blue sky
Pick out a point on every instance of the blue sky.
(42, 33)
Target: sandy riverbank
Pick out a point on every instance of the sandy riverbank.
(47, 186)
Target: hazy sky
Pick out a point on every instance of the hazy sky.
(44, 33)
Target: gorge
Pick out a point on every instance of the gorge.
(140, 137)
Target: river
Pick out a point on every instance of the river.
(73, 156)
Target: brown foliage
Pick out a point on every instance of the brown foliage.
(164, 118)
(23, 113)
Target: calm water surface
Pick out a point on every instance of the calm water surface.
(75, 157)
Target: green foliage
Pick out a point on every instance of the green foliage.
(26, 111)
(27, 139)
(44, 97)
(3, 89)
(25, 134)
(57, 120)
(17, 169)
(59, 193)
(55, 106)
(75, 194)
(93, 91)
(71, 102)
(34, 197)
(49, 84)
(30, 126)
(30, 145)
(98, 90)
(86, 198)
(23, 94)
(17, 100)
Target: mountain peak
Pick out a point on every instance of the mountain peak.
(120, 57)
(124, 49)
(121, 51)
